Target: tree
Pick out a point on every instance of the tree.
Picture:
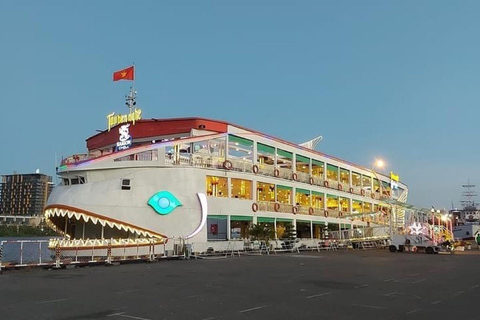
(261, 232)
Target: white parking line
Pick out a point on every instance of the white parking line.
(367, 306)
(436, 302)
(459, 292)
(391, 293)
(252, 309)
(413, 311)
(50, 301)
(362, 286)
(418, 281)
(387, 280)
(475, 286)
(132, 317)
(318, 295)
(115, 314)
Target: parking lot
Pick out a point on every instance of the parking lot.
(374, 284)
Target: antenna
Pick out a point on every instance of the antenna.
(469, 195)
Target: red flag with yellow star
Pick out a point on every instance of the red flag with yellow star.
(125, 74)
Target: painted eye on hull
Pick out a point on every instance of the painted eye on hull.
(163, 202)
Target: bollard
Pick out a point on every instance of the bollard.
(109, 253)
(57, 257)
(1, 256)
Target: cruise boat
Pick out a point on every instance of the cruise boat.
(150, 182)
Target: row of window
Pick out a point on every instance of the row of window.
(243, 149)
(269, 192)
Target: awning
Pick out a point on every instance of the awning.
(265, 220)
(213, 216)
(284, 220)
(241, 218)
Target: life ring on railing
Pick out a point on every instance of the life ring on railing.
(325, 184)
(227, 164)
(276, 206)
(325, 213)
(362, 192)
(340, 213)
(351, 190)
(276, 172)
(294, 176)
(372, 195)
(294, 209)
(310, 211)
(255, 169)
(340, 187)
(310, 180)
(254, 207)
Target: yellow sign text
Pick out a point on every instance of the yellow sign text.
(114, 119)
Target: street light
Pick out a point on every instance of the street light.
(379, 163)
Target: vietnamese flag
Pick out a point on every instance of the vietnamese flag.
(125, 74)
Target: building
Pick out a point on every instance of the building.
(23, 197)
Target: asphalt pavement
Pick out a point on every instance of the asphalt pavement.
(374, 284)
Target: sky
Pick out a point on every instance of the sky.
(396, 80)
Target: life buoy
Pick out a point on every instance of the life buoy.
(325, 213)
(276, 172)
(254, 207)
(294, 176)
(325, 184)
(362, 192)
(340, 187)
(310, 211)
(294, 209)
(372, 195)
(255, 169)
(227, 164)
(310, 180)
(340, 213)
(276, 207)
(351, 190)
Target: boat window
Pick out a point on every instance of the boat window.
(357, 206)
(265, 191)
(265, 154)
(317, 168)
(332, 172)
(126, 184)
(344, 176)
(66, 182)
(317, 200)
(367, 182)
(240, 148)
(344, 204)
(302, 197)
(284, 194)
(284, 159)
(302, 164)
(332, 202)
(241, 189)
(217, 186)
(74, 181)
(81, 180)
(356, 179)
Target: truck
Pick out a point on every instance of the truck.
(406, 242)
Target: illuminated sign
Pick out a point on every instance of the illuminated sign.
(416, 229)
(114, 119)
(394, 181)
(125, 139)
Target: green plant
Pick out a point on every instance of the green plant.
(261, 232)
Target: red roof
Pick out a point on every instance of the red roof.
(156, 127)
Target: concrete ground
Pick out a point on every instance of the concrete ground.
(372, 284)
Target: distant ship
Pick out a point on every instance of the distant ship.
(467, 219)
